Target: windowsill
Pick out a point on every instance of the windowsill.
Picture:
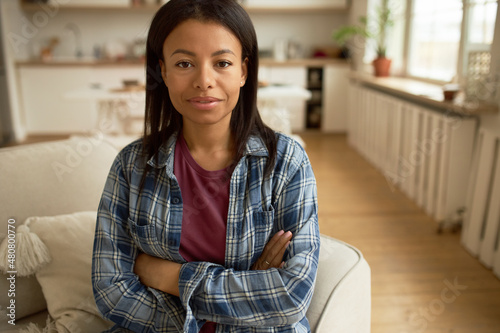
(424, 93)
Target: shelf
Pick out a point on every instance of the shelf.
(295, 6)
(128, 6)
(424, 93)
(30, 6)
(292, 10)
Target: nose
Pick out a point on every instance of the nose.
(205, 78)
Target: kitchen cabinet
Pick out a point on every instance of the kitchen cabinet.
(335, 98)
(280, 75)
(315, 104)
(46, 111)
(329, 85)
(46, 95)
(48, 107)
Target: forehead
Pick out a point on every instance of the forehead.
(195, 35)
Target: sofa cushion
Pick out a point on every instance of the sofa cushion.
(48, 179)
(66, 280)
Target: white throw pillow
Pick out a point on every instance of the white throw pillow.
(66, 280)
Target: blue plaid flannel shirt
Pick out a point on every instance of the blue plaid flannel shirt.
(235, 297)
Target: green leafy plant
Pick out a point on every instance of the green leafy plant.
(369, 28)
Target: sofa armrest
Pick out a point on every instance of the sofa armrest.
(342, 295)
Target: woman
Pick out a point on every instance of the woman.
(195, 225)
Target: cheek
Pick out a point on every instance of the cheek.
(234, 86)
(234, 96)
(175, 86)
(175, 95)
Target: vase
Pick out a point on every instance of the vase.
(382, 67)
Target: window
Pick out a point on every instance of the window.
(434, 44)
(482, 15)
(443, 35)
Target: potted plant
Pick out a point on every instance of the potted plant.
(375, 28)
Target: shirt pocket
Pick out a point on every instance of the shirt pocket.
(146, 238)
(263, 224)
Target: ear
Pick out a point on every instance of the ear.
(163, 71)
(244, 71)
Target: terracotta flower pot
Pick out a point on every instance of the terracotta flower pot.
(382, 66)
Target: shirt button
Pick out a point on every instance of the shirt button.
(175, 200)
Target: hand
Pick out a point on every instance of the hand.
(158, 273)
(273, 253)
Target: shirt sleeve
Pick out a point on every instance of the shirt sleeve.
(273, 297)
(119, 295)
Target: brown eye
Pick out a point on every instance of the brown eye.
(183, 64)
(223, 64)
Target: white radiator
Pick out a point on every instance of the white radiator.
(481, 231)
(424, 153)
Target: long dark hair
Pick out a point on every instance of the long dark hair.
(161, 119)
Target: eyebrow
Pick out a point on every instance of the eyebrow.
(215, 54)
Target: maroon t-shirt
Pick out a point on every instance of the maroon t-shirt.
(205, 200)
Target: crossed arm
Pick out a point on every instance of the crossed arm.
(163, 274)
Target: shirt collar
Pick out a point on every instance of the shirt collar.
(165, 154)
(255, 146)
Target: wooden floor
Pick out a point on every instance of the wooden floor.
(421, 281)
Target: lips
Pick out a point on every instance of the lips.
(204, 103)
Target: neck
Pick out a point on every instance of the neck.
(207, 138)
(210, 146)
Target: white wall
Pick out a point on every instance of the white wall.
(308, 29)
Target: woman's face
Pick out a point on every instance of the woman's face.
(204, 71)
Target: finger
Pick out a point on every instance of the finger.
(277, 242)
(272, 242)
(273, 252)
(278, 258)
(276, 252)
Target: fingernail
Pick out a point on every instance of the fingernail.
(288, 234)
(281, 232)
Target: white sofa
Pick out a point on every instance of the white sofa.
(64, 177)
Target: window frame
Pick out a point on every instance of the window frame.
(462, 57)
